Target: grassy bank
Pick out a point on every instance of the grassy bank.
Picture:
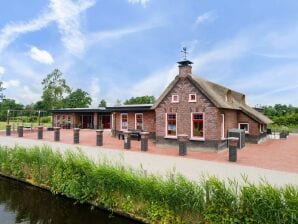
(155, 199)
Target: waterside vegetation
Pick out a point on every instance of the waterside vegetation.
(151, 198)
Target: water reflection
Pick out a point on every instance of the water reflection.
(25, 204)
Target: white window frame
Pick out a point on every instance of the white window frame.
(136, 120)
(222, 126)
(175, 101)
(262, 128)
(246, 132)
(191, 120)
(189, 98)
(166, 126)
(121, 121)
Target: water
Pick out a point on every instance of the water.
(25, 204)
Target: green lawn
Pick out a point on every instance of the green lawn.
(15, 124)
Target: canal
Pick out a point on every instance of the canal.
(24, 204)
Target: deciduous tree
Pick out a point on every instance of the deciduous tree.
(78, 98)
(140, 100)
(54, 89)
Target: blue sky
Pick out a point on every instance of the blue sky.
(117, 49)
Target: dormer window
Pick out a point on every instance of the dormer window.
(192, 98)
(228, 96)
(175, 99)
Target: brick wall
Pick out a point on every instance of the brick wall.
(230, 120)
(212, 115)
(254, 127)
(148, 120)
(64, 118)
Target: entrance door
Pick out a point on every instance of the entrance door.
(87, 121)
(106, 121)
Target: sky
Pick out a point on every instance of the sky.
(117, 49)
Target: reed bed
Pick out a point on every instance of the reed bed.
(152, 198)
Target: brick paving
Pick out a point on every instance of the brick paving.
(274, 154)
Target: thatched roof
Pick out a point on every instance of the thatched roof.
(220, 96)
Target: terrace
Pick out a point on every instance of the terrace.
(275, 154)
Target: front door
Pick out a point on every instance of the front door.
(87, 121)
(106, 121)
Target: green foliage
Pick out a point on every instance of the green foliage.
(282, 115)
(1, 91)
(54, 88)
(140, 100)
(102, 103)
(8, 104)
(78, 98)
(173, 199)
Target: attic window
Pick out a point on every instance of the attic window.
(228, 96)
(175, 99)
(192, 98)
(243, 99)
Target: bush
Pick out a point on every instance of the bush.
(173, 199)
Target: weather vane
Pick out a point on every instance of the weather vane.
(184, 52)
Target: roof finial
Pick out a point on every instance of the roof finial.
(184, 52)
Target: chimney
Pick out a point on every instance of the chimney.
(184, 68)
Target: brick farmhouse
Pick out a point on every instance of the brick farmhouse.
(190, 105)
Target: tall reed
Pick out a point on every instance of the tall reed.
(156, 199)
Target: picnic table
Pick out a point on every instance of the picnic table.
(134, 133)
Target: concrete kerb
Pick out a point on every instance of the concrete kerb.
(157, 164)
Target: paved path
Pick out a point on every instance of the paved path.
(160, 164)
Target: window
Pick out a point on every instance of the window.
(222, 126)
(197, 125)
(192, 98)
(244, 126)
(171, 125)
(124, 121)
(175, 99)
(139, 121)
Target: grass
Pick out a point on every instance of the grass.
(156, 199)
(15, 124)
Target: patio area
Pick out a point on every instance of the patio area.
(274, 154)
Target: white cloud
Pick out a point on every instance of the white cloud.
(142, 2)
(12, 30)
(2, 70)
(94, 92)
(209, 16)
(11, 83)
(26, 95)
(41, 56)
(96, 37)
(67, 15)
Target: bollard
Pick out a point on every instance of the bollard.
(127, 139)
(8, 130)
(76, 136)
(182, 142)
(144, 141)
(56, 134)
(39, 132)
(114, 133)
(233, 145)
(20, 131)
(99, 137)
